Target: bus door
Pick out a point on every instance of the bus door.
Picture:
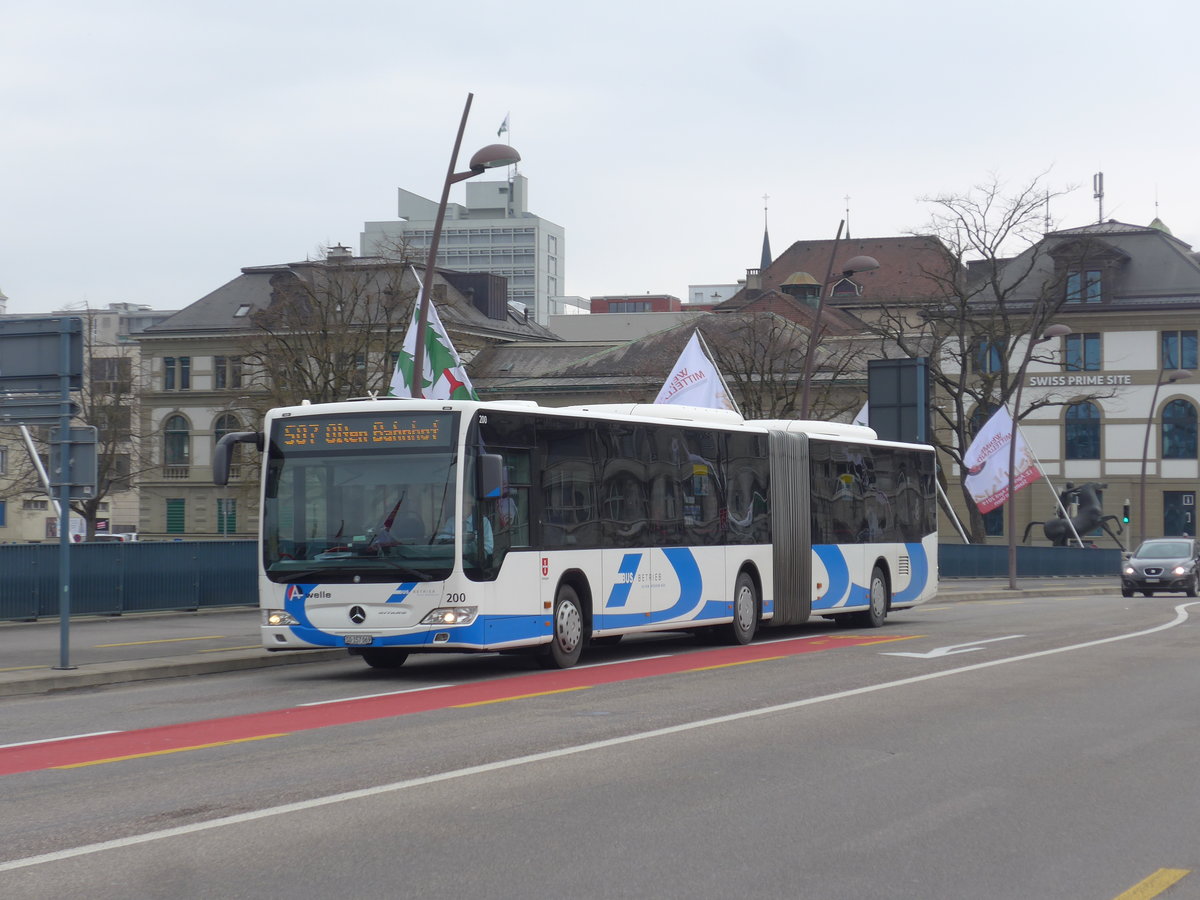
(628, 562)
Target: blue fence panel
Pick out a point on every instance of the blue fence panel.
(110, 579)
(21, 584)
(991, 561)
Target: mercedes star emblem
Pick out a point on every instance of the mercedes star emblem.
(358, 615)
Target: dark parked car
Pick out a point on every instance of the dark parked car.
(1162, 564)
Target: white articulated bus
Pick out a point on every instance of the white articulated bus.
(391, 526)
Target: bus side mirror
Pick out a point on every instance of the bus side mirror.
(224, 451)
(489, 476)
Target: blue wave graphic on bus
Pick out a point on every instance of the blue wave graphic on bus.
(691, 587)
(619, 595)
(840, 585)
(402, 592)
(918, 578)
(293, 603)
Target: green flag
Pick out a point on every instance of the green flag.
(444, 377)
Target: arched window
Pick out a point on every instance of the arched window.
(1083, 431)
(177, 441)
(226, 423)
(1179, 430)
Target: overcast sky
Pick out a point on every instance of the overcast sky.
(152, 149)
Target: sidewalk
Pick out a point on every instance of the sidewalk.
(139, 647)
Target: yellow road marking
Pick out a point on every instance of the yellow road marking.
(96, 762)
(521, 697)
(22, 668)
(1154, 885)
(206, 637)
(739, 663)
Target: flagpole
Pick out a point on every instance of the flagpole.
(1052, 331)
(708, 352)
(486, 158)
(946, 500)
(418, 388)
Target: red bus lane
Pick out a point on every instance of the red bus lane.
(101, 748)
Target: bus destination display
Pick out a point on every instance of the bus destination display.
(366, 430)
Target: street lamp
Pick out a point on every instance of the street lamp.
(1051, 332)
(490, 157)
(850, 267)
(1177, 375)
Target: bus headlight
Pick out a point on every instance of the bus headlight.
(451, 615)
(278, 617)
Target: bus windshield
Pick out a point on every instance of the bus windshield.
(345, 503)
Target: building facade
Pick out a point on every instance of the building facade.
(493, 232)
(1116, 402)
(109, 399)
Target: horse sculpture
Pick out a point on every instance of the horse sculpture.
(1089, 517)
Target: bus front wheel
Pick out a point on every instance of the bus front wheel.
(383, 659)
(745, 611)
(566, 644)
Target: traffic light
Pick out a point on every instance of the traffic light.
(1125, 513)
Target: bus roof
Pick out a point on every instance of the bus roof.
(721, 418)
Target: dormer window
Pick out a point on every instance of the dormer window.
(847, 288)
(1085, 286)
(243, 310)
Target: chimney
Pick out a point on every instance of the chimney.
(753, 279)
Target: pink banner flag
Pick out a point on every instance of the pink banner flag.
(987, 463)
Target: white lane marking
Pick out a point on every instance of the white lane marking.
(363, 793)
(954, 648)
(69, 737)
(432, 687)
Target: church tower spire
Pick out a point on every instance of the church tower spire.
(766, 250)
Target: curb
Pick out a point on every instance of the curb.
(40, 682)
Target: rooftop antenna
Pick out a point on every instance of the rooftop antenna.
(847, 199)
(1098, 194)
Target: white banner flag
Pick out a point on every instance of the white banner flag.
(444, 376)
(695, 381)
(864, 415)
(987, 463)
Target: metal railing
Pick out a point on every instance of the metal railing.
(141, 576)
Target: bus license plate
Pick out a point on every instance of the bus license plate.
(359, 640)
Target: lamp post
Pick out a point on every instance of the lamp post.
(1177, 375)
(857, 264)
(1051, 332)
(490, 157)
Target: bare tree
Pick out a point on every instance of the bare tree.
(995, 291)
(761, 356)
(329, 331)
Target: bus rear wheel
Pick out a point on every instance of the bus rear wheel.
(566, 644)
(745, 611)
(383, 659)
(875, 614)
